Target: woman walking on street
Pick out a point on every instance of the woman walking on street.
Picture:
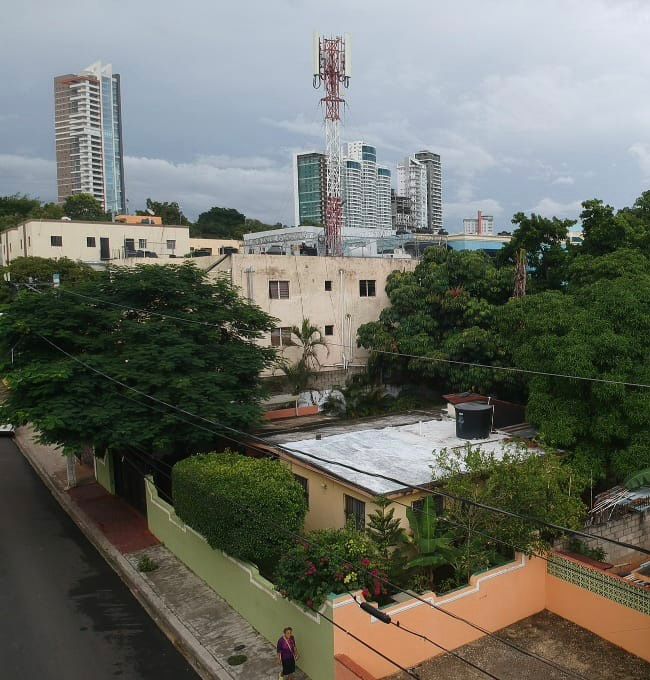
(287, 653)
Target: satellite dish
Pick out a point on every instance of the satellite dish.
(150, 212)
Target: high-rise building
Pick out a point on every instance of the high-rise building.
(352, 194)
(366, 185)
(88, 124)
(431, 161)
(310, 191)
(384, 215)
(401, 212)
(412, 183)
(481, 225)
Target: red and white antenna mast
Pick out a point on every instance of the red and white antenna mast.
(332, 68)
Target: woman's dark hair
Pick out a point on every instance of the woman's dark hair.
(288, 628)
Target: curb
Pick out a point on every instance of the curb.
(174, 629)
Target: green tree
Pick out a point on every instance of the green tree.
(209, 364)
(385, 531)
(18, 208)
(445, 310)
(221, 223)
(544, 240)
(602, 229)
(170, 212)
(330, 561)
(430, 546)
(223, 496)
(85, 207)
(308, 338)
(40, 270)
(520, 481)
(598, 330)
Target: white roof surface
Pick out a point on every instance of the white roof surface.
(405, 452)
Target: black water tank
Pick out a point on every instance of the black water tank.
(473, 420)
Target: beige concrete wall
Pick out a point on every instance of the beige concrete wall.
(342, 307)
(34, 239)
(327, 499)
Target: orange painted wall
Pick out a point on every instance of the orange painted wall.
(346, 669)
(493, 600)
(622, 626)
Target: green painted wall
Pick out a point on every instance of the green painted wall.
(104, 472)
(241, 585)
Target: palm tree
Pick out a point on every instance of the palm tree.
(309, 338)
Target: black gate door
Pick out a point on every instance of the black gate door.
(129, 481)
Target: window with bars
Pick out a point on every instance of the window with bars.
(329, 330)
(355, 510)
(90, 242)
(171, 244)
(56, 240)
(367, 288)
(328, 285)
(304, 483)
(281, 337)
(279, 290)
(142, 243)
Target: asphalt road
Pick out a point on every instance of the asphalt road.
(64, 613)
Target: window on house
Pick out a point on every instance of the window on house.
(328, 285)
(438, 504)
(56, 240)
(355, 510)
(281, 337)
(171, 244)
(329, 330)
(367, 288)
(142, 243)
(304, 483)
(90, 242)
(279, 290)
(129, 245)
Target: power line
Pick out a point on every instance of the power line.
(303, 539)
(416, 487)
(471, 364)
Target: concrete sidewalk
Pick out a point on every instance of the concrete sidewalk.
(201, 624)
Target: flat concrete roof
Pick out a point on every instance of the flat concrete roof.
(405, 452)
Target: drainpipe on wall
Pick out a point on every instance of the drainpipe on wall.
(344, 359)
(249, 271)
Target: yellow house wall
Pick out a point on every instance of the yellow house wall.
(327, 499)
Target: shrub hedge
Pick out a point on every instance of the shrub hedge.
(243, 506)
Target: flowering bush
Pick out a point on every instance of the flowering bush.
(329, 561)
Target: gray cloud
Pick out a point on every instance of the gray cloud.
(522, 100)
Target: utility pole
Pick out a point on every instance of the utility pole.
(332, 67)
(520, 274)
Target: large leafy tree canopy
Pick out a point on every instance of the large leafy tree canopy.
(18, 208)
(544, 242)
(227, 223)
(587, 313)
(445, 309)
(169, 211)
(210, 367)
(85, 207)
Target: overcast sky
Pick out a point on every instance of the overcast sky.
(532, 105)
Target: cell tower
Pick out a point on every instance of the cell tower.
(332, 68)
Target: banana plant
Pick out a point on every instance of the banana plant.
(431, 547)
